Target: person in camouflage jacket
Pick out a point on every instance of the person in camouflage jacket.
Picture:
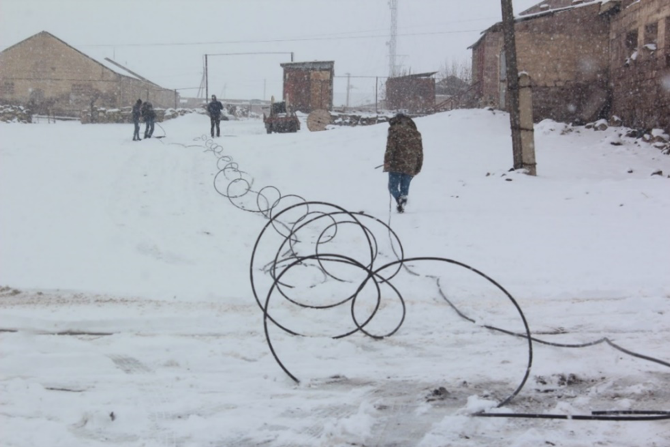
(403, 158)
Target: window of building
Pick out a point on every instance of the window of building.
(630, 48)
(630, 41)
(651, 33)
(651, 36)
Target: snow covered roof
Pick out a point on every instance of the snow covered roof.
(125, 71)
(552, 7)
(548, 7)
(313, 65)
(417, 75)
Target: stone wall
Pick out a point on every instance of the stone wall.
(640, 64)
(485, 68)
(414, 93)
(15, 114)
(124, 115)
(587, 62)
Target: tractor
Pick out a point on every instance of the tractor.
(281, 118)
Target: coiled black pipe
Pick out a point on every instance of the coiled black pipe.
(268, 203)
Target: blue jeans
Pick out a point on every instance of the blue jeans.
(399, 184)
(216, 122)
(136, 135)
(149, 128)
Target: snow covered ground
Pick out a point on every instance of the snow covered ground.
(127, 316)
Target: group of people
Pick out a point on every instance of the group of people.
(146, 111)
(403, 158)
(143, 110)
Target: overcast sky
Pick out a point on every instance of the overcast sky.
(165, 40)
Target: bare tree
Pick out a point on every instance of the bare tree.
(454, 77)
(461, 69)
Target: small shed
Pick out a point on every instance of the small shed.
(308, 86)
(414, 93)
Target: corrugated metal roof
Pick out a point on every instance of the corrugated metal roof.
(418, 75)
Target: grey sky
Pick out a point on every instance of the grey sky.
(165, 40)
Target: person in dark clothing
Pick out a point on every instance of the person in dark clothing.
(403, 158)
(137, 112)
(214, 109)
(149, 115)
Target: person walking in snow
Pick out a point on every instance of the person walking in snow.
(137, 112)
(214, 109)
(149, 115)
(403, 158)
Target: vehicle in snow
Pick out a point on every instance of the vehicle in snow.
(281, 118)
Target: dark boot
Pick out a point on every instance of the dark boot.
(402, 202)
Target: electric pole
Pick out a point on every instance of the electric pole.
(393, 5)
(348, 88)
(512, 81)
(206, 80)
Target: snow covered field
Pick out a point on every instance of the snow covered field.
(127, 316)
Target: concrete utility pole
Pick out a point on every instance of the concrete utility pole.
(512, 81)
(526, 124)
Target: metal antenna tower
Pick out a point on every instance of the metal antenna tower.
(393, 5)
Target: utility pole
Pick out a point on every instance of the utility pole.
(376, 100)
(206, 80)
(512, 81)
(393, 5)
(206, 74)
(348, 87)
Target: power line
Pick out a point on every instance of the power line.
(302, 39)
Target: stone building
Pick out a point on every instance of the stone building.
(564, 50)
(587, 59)
(640, 64)
(308, 86)
(51, 77)
(414, 93)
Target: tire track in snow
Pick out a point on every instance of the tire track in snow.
(157, 399)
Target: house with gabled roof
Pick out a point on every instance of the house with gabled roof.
(52, 77)
(564, 50)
